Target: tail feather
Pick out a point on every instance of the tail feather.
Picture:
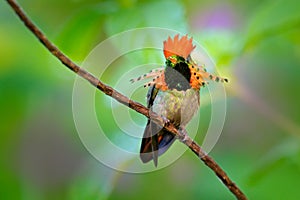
(155, 142)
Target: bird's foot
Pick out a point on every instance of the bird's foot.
(183, 134)
(166, 121)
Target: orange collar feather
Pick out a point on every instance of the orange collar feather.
(180, 47)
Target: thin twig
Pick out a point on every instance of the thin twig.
(128, 102)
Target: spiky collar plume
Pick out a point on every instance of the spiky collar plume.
(174, 51)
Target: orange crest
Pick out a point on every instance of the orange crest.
(180, 47)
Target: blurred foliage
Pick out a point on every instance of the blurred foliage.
(254, 43)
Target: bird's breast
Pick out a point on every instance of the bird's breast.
(178, 106)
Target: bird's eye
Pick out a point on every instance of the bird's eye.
(171, 61)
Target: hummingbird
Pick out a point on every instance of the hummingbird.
(174, 94)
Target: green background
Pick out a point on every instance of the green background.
(255, 44)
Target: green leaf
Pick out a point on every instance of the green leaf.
(83, 29)
(273, 18)
(287, 152)
(165, 14)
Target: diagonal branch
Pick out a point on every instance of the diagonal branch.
(128, 102)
